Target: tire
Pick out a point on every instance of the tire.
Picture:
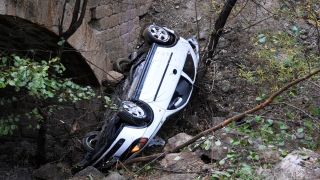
(121, 64)
(156, 34)
(89, 140)
(135, 113)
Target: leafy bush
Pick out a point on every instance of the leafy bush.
(42, 80)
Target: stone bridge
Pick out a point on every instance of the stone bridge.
(110, 30)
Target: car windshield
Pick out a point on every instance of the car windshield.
(135, 79)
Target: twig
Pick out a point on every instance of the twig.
(263, 7)
(317, 29)
(256, 23)
(240, 10)
(279, 119)
(198, 29)
(295, 108)
(155, 157)
(173, 171)
(123, 166)
(313, 83)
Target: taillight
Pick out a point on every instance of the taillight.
(142, 142)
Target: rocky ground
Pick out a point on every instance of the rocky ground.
(222, 94)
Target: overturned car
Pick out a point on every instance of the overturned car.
(160, 85)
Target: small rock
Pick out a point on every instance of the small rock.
(179, 160)
(88, 171)
(114, 77)
(223, 52)
(257, 143)
(238, 106)
(158, 9)
(268, 155)
(202, 36)
(114, 176)
(225, 86)
(263, 172)
(177, 140)
(304, 37)
(177, 2)
(177, 7)
(220, 152)
(157, 141)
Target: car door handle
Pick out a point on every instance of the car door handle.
(178, 101)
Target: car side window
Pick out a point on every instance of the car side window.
(188, 67)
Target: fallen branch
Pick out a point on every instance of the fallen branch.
(226, 122)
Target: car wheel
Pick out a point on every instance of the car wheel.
(134, 113)
(121, 64)
(89, 141)
(157, 34)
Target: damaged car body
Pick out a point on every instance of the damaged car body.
(160, 85)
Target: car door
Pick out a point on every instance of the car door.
(184, 87)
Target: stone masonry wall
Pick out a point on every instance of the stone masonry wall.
(110, 28)
(116, 23)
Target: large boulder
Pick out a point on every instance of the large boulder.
(181, 165)
(298, 165)
(88, 173)
(177, 140)
(53, 171)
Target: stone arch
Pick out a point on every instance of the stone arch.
(27, 39)
(110, 30)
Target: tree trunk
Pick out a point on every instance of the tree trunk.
(218, 28)
(74, 25)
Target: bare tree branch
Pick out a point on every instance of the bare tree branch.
(62, 18)
(76, 21)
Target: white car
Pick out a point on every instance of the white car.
(161, 84)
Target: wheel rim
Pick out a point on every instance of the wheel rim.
(159, 33)
(91, 142)
(134, 109)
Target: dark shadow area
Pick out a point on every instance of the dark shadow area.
(29, 40)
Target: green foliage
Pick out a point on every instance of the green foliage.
(41, 80)
(281, 59)
(109, 104)
(242, 159)
(61, 42)
(291, 121)
(207, 143)
(310, 9)
(241, 171)
(37, 79)
(8, 125)
(259, 98)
